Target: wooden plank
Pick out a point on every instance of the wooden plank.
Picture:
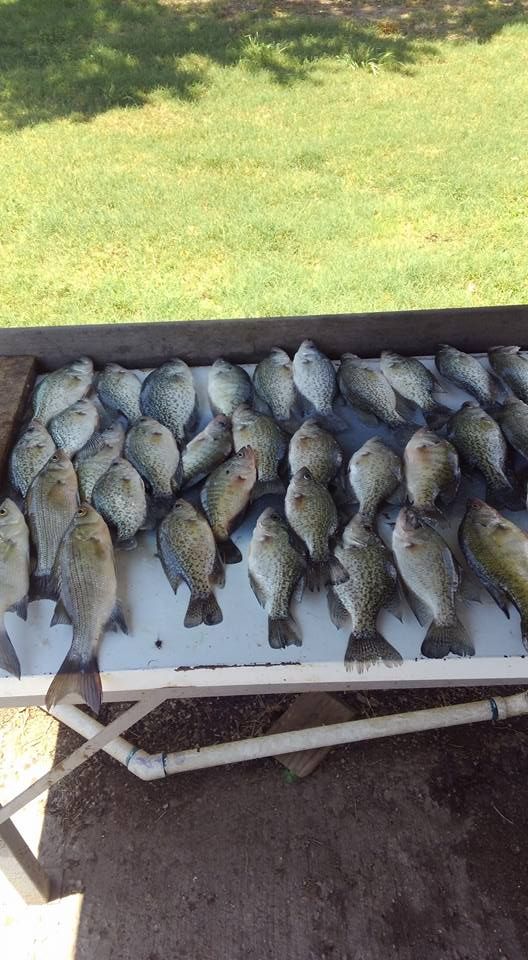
(248, 340)
(21, 867)
(309, 710)
(17, 375)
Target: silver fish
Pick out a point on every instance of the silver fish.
(72, 428)
(268, 442)
(467, 372)
(51, 503)
(368, 391)
(432, 471)
(94, 459)
(512, 418)
(482, 446)
(312, 515)
(315, 380)
(276, 573)
(207, 450)
(225, 497)
(60, 388)
(374, 474)
(168, 396)
(511, 365)
(228, 386)
(119, 496)
(29, 455)
(273, 384)
(153, 451)
(14, 577)
(412, 381)
(313, 447)
(118, 390)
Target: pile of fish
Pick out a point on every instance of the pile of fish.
(108, 455)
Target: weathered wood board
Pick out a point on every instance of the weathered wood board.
(17, 375)
(309, 710)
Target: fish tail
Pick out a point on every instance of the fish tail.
(8, 658)
(229, 552)
(443, 639)
(43, 587)
(332, 422)
(203, 610)
(264, 487)
(402, 433)
(77, 675)
(504, 495)
(438, 416)
(283, 633)
(323, 573)
(367, 647)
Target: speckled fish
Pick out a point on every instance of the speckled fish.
(86, 576)
(512, 418)
(432, 471)
(29, 455)
(413, 381)
(207, 450)
(374, 475)
(315, 381)
(60, 388)
(371, 586)
(497, 552)
(368, 391)
(511, 366)
(273, 384)
(481, 445)
(225, 497)
(467, 373)
(72, 428)
(228, 386)
(277, 573)
(14, 577)
(94, 459)
(51, 503)
(168, 396)
(153, 451)
(118, 390)
(312, 515)
(430, 575)
(119, 496)
(188, 552)
(313, 447)
(268, 442)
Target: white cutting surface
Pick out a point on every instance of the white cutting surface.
(234, 657)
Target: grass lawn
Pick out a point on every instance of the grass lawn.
(170, 160)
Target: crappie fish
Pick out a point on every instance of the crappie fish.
(188, 552)
(51, 503)
(168, 396)
(29, 455)
(72, 428)
(428, 570)
(153, 451)
(14, 577)
(497, 552)
(512, 418)
(228, 386)
(86, 576)
(374, 474)
(60, 388)
(316, 449)
(312, 515)
(315, 381)
(432, 471)
(207, 450)
(511, 366)
(273, 384)
(118, 390)
(94, 459)
(268, 442)
(225, 497)
(371, 585)
(368, 391)
(481, 445)
(119, 496)
(276, 573)
(467, 373)
(413, 381)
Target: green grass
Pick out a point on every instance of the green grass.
(170, 161)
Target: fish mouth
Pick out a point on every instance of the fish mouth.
(475, 503)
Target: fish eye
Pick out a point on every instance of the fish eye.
(54, 458)
(81, 512)
(3, 512)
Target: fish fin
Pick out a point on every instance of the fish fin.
(403, 432)
(368, 419)
(336, 571)
(419, 608)
(76, 675)
(8, 658)
(366, 648)
(60, 615)
(406, 408)
(339, 614)
(117, 621)
(321, 574)
(470, 590)
(202, 610)
(332, 422)
(43, 587)
(218, 571)
(394, 604)
(397, 497)
(504, 495)
(283, 633)
(265, 487)
(20, 608)
(298, 589)
(177, 479)
(129, 544)
(441, 640)
(524, 632)
(257, 590)
(229, 552)
(499, 597)
(438, 416)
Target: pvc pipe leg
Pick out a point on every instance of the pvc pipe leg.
(21, 867)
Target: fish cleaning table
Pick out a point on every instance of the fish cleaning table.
(160, 659)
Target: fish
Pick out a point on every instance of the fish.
(86, 577)
(315, 382)
(168, 396)
(496, 550)
(277, 572)
(467, 372)
(152, 450)
(511, 366)
(273, 383)
(432, 471)
(268, 442)
(207, 450)
(315, 448)
(119, 496)
(371, 586)
(228, 386)
(412, 381)
(60, 388)
(188, 552)
(72, 428)
(29, 455)
(374, 475)
(51, 502)
(118, 390)
(430, 575)
(482, 446)
(512, 418)
(225, 497)
(312, 515)
(14, 577)
(368, 391)
(95, 458)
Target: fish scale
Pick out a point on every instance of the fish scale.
(60, 388)
(168, 396)
(51, 502)
(119, 390)
(273, 383)
(368, 390)
(29, 455)
(276, 573)
(152, 450)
